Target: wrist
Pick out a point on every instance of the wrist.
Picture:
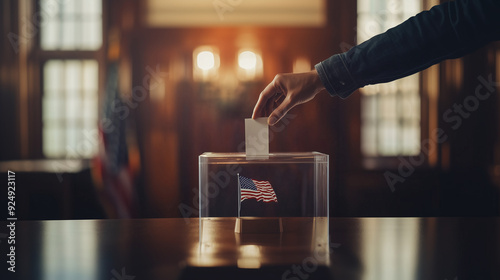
(316, 81)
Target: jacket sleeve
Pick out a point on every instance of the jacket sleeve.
(449, 30)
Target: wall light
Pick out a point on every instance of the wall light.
(247, 60)
(206, 62)
(225, 83)
(249, 65)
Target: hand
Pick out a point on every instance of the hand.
(285, 92)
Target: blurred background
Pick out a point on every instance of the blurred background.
(106, 105)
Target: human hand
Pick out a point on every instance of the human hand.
(285, 92)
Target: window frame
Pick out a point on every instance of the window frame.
(428, 80)
(40, 57)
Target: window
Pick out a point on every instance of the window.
(69, 107)
(70, 38)
(390, 113)
(71, 25)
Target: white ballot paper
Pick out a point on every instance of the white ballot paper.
(256, 137)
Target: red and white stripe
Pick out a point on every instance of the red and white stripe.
(264, 192)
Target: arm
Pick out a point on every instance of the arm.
(446, 31)
(449, 30)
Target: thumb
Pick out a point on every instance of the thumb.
(280, 112)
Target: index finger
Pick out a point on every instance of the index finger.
(265, 95)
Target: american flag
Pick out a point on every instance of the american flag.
(113, 161)
(260, 190)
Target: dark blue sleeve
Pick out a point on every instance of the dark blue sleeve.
(449, 30)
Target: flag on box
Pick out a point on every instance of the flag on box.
(260, 190)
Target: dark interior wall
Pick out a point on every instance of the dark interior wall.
(462, 182)
(9, 144)
(468, 157)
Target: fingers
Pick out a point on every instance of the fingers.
(270, 106)
(280, 112)
(265, 96)
(274, 103)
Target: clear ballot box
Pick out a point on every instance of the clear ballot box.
(263, 205)
(299, 182)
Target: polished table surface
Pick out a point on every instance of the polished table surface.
(357, 248)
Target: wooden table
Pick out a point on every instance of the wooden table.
(357, 248)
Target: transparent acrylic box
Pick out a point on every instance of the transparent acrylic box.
(300, 182)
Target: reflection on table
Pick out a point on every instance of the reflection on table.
(356, 248)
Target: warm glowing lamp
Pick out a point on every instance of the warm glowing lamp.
(250, 65)
(205, 63)
(247, 60)
(205, 60)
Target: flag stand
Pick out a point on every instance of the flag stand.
(239, 195)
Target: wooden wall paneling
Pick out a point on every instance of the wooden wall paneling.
(203, 125)
(465, 187)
